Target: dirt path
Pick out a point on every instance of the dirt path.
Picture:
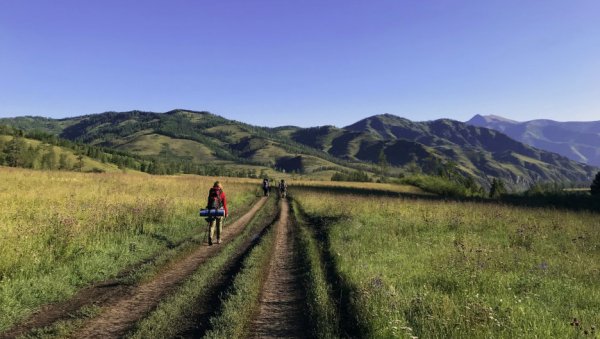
(119, 314)
(281, 312)
(210, 303)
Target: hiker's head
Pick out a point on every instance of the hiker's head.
(217, 184)
(282, 180)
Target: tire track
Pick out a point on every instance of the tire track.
(281, 312)
(211, 303)
(120, 314)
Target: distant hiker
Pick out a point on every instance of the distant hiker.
(266, 187)
(282, 188)
(216, 201)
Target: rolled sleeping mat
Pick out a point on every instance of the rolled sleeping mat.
(212, 213)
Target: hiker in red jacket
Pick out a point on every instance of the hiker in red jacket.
(216, 200)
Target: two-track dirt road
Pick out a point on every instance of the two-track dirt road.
(120, 314)
(281, 311)
(282, 304)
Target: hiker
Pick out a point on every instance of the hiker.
(266, 187)
(217, 201)
(282, 188)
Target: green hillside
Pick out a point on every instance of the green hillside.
(189, 140)
(432, 146)
(204, 143)
(17, 150)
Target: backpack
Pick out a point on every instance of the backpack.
(214, 199)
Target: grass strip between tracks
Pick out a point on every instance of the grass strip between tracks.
(240, 304)
(173, 314)
(323, 316)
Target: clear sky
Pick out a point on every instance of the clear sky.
(306, 63)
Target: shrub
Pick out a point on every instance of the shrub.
(357, 176)
(595, 188)
(498, 188)
(442, 186)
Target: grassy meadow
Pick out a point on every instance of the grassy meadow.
(60, 231)
(378, 263)
(438, 269)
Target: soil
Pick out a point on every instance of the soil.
(123, 305)
(122, 313)
(281, 312)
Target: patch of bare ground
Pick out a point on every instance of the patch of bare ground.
(122, 305)
(210, 303)
(281, 312)
(122, 313)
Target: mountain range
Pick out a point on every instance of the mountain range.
(579, 141)
(202, 137)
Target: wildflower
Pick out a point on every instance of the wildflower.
(377, 282)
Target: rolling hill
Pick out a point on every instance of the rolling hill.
(186, 137)
(579, 141)
(479, 152)
(44, 152)
(202, 138)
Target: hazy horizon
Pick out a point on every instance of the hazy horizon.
(273, 63)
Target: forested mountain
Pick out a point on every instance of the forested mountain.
(433, 145)
(579, 141)
(190, 142)
(193, 140)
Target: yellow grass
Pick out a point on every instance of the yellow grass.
(63, 230)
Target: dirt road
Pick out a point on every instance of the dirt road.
(282, 313)
(120, 314)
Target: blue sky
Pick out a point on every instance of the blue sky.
(303, 63)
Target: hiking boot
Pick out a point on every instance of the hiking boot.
(209, 242)
(218, 241)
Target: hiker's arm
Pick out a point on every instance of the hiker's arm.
(225, 204)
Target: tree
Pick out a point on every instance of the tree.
(595, 188)
(63, 162)
(498, 188)
(383, 163)
(15, 150)
(49, 159)
(79, 165)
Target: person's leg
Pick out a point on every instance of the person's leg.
(211, 231)
(219, 229)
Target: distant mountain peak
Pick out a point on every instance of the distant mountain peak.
(577, 140)
(479, 119)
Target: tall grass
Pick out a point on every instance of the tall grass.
(61, 231)
(462, 269)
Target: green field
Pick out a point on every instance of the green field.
(433, 268)
(378, 260)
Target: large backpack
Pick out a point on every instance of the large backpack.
(214, 199)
